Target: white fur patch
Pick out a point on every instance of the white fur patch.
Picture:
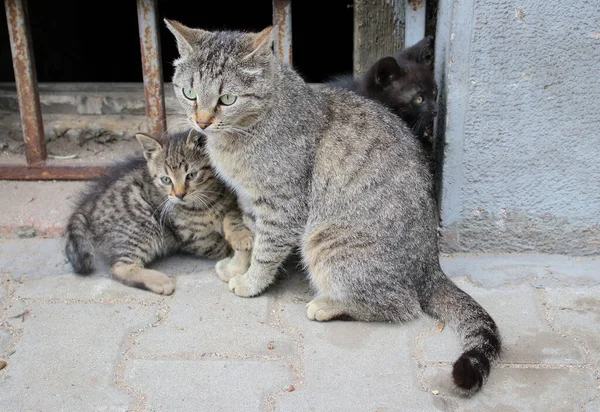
(252, 72)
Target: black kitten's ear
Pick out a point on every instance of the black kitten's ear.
(194, 139)
(422, 52)
(386, 70)
(150, 145)
(185, 36)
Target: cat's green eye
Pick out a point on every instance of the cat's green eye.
(191, 176)
(165, 180)
(227, 99)
(189, 94)
(419, 100)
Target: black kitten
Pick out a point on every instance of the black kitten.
(405, 84)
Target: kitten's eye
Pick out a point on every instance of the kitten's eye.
(191, 176)
(227, 99)
(189, 94)
(434, 92)
(165, 180)
(419, 100)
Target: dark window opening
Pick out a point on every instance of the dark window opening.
(76, 42)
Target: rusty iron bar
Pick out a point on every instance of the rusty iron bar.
(26, 81)
(151, 63)
(18, 170)
(282, 17)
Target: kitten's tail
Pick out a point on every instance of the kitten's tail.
(79, 248)
(481, 339)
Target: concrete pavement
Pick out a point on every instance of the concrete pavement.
(91, 344)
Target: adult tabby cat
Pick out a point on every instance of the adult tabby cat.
(405, 84)
(147, 207)
(333, 173)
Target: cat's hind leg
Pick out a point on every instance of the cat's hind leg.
(134, 274)
(351, 273)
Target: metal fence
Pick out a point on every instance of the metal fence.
(37, 165)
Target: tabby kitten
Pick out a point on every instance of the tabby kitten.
(334, 174)
(151, 206)
(405, 84)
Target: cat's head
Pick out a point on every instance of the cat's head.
(223, 79)
(179, 166)
(406, 84)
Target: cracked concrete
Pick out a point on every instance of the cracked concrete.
(89, 343)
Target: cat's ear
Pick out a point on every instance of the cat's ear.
(386, 70)
(194, 139)
(184, 36)
(150, 145)
(261, 45)
(421, 52)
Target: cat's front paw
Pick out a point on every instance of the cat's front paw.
(240, 239)
(242, 286)
(222, 269)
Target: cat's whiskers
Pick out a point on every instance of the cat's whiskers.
(178, 124)
(235, 129)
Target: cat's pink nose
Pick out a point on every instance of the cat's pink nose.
(203, 125)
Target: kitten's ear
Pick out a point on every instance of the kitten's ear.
(261, 45)
(194, 139)
(185, 36)
(386, 70)
(150, 145)
(421, 52)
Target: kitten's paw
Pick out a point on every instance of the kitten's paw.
(240, 239)
(222, 268)
(323, 309)
(159, 283)
(242, 286)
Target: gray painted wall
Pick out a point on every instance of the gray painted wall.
(520, 83)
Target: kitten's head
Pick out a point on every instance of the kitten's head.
(406, 84)
(223, 79)
(179, 167)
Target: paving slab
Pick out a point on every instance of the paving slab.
(42, 205)
(206, 319)
(36, 257)
(209, 385)
(66, 356)
(351, 366)
(515, 390)
(527, 337)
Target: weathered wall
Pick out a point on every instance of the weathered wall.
(520, 83)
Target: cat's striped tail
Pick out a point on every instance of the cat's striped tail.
(79, 248)
(479, 333)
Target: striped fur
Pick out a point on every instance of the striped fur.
(132, 218)
(338, 176)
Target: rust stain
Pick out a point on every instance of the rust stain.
(150, 46)
(25, 78)
(50, 171)
(281, 19)
(415, 4)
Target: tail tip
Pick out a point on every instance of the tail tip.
(469, 373)
(82, 261)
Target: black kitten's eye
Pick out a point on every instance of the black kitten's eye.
(191, 176)
(165, 180)
(419, 100)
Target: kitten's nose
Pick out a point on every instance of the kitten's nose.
(180, 195)
(203, 125)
